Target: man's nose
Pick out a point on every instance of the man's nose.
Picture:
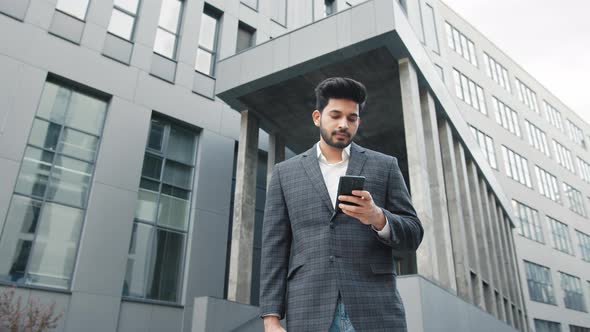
(343, 123)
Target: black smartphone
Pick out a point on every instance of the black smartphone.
(346, 185)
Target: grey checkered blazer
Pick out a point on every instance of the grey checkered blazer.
(309, 253)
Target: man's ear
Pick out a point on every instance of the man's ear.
(316, 115)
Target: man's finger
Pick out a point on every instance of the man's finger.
(352, 199)
(363, 193)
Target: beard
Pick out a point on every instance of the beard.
(332, 141)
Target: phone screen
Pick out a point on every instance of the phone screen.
(347, 184)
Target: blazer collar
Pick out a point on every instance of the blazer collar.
(312, 168)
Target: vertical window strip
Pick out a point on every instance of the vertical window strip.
(208, 42)
(157, 252)
(459, 43)
(584, 244)
(168, 30)
(539, 283)
(560, 236)
(573, 293)
(553, 116)
(529, 223)
(547, 326)
(497, 72)
(469, 91)
(563, 156)
(506, 117)
(123, 18)
(575, 199)
(547, 184)
(537, 138)
(584, 168)
(486, 144)
(516, 167)
(575, 133)
(527, 96)
(40, 239)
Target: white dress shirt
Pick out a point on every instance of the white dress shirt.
(332, 174)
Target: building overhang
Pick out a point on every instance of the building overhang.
(276, 79)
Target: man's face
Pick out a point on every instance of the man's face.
(338, 122)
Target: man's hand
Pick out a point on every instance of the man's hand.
(367, 212)
(272, 324)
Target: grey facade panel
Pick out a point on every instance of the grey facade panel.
(163, 68)
(14, 8)
(67, 27)
(92, 313)
(204, 85)
(117, 48)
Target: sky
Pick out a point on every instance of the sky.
(549, 39)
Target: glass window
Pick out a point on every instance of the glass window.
(506, 117)
(537, 138)
(547, 184)
(539, 283)
(518, 168)
(547, 326)
(76, 8)
(563, 156)
(560, 236)
(573, 295)
(208, 35)
(329, 7)
(527, 96)
(486, 144)
(529, 223)
(168, 28)
(584, 242)
(575, 199)
(245, 37)
(496, 72)
(156, 254)
(553, 116)
(123, 17)
(575, 328)
(279, 11)
(40, 239)
(430, 28)
(468, 91)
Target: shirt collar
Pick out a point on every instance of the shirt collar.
(345, 153)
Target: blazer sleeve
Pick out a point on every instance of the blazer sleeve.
(406, 229)
(276, 247)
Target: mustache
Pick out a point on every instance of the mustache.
(341, 132)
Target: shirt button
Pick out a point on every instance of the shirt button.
(332, 258)
(332, 225)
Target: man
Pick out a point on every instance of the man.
(331, 271)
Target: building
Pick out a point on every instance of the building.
(127, 199)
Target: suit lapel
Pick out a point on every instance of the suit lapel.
(357, 160)
(312, 168)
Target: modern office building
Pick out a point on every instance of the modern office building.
(136, 138)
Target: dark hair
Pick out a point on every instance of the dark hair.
(341, 88)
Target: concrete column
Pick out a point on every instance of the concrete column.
(492, 235)
(454, 199)
(512, 262)
(469, 223)
(520, 296)
(242, 242)
(276, 153)
(440, 214)
(426, 262)
(482, 236)
(500, 257)
(505, 254)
